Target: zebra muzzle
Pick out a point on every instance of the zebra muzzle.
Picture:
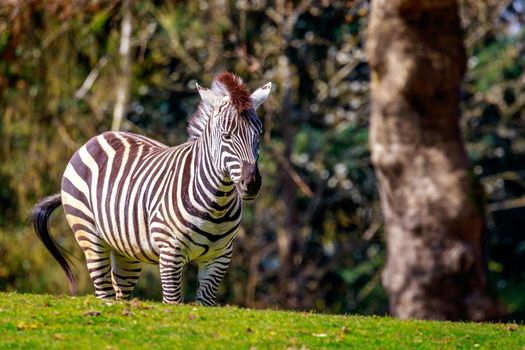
(250, 182)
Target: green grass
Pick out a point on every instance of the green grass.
(60, 322)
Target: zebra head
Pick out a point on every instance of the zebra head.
(235, 131)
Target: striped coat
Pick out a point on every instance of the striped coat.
(131, 200)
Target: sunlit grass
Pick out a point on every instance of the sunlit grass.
(60, 322)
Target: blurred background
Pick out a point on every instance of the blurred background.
(315, 237)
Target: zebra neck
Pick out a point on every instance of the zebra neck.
(212, 189)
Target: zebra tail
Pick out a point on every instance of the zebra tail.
(40, 218)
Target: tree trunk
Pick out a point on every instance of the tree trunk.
(435, 265)
(124, 80)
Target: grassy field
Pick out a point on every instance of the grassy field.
(43, 321)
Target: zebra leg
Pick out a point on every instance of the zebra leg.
(97, 254)
(171, 264)
(210, 276)
(125, 273)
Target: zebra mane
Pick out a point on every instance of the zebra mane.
(224, 84)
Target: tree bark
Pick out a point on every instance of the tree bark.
(435, 258)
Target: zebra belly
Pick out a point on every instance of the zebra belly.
(123, 224)
(131, 240)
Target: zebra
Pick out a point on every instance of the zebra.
(131, 200)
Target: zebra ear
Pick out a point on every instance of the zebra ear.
(210, 97)
(260, 95)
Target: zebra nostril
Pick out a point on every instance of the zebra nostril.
(243, 184)
(250, 180)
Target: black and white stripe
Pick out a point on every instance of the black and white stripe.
(131, 200)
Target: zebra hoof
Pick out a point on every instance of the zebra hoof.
(172, 302)
(200, 302)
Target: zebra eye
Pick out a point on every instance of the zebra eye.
(226, 136)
